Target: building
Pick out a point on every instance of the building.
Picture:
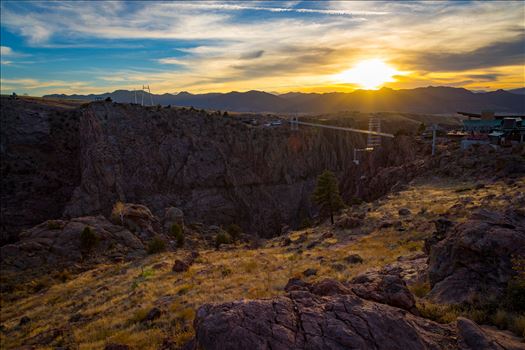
(487, 128)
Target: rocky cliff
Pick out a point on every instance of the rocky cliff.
(215, 168)
(40, 161)
(61, 159)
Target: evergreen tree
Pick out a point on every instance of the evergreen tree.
(326, 194)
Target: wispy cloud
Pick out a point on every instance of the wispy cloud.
(277, 45)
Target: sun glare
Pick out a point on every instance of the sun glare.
(369, 74)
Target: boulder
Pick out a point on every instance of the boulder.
(60, 244)
(152, 315)
(336, 319)
(328, 315)
(116, 346)
(348, 222)
(137, 218)
(442, 227)
(184, 264)
(404, 212)
(309, 272)
(411, 268)
(296, 284)
(180, 266)
(24, 320)
(385, 287)
(473, 261)
(353, 259)
(474, 337)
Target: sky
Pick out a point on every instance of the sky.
(275, 46)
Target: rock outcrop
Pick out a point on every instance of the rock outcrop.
(138, 219)
(60, 244)
(329, 316)
(473, 260)
(384, 286)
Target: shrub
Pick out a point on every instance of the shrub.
(53, 225)
(156, 245)
(117, 213)
(222, 238)
(225, 271)
(518, 325)
(356, 201)
(305, 223)
(88, 239)
(515, 294)
(177, 233)
(138, 316)
(420, 289)
(234, 231)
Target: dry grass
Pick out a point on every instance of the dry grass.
(111, 301)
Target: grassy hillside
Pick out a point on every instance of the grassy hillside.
(111, 302)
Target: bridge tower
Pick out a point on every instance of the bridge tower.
(374, 140)
(294, 123)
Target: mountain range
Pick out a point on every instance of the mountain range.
(433, 100)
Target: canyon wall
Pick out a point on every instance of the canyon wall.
(63, 160)
(218, 170)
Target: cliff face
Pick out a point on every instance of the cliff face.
(40, 169)
(62, 160)
(216, 169)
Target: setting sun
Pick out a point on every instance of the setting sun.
(369, 74)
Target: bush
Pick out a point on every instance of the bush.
(420, 289)
(156, 245)
(305, 223)
(234, 231)
(222, 238)
(117, 213)
(177, 233)
(515, 294)
(88, 239)
(356, 201)
(53, 225)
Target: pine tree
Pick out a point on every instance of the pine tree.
(326, 194)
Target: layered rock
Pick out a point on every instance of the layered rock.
(329, 316)
(473, 260)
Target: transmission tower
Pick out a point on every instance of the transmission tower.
(145, 88)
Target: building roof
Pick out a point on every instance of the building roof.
(481, 124)
(478, 115)
(497, 133)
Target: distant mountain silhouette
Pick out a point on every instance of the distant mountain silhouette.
(420, 100)
(519, 91)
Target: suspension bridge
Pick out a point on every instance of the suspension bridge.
(374, 133)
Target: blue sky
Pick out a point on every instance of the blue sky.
(201, 46)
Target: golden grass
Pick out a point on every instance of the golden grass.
(113, 299)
